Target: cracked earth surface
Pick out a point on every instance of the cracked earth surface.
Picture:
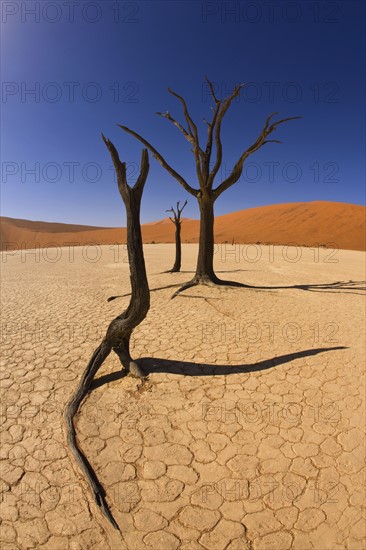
(248, 434)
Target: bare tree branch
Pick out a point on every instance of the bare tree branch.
(223, 109)
(212, 90)
(192, 129)
(266, 124)
(144, 170)
(272, 141)
(174, 214)
(211, 126)
(260, 141)
(275, 124)
(120, 167)
(162, 161)
(187, 135)
(177, 212)
(180, 210)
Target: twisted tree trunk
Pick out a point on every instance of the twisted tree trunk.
(118, 334)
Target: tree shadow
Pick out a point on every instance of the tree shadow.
(151, 365)
(226, 271)
(335, 287)
(211, 298)
(151, 290)
(339, 287)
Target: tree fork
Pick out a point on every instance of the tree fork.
(117, 337)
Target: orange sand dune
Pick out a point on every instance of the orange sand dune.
(332, 224)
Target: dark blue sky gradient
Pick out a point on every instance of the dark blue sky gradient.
(300, 58)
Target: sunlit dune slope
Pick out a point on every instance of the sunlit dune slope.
(331, 224)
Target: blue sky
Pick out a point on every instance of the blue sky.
(92, 65)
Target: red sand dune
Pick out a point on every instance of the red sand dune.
(332, 224)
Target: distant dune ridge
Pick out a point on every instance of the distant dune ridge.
(320, 223)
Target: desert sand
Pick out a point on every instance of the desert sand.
(248, 434)
(330, 224)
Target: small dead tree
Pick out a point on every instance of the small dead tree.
(118, 334)
(206, 194)
(178, 243)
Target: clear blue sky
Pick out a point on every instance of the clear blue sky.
(92, 67)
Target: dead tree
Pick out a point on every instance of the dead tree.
(206, 195)
(118, 334)
(178, 243)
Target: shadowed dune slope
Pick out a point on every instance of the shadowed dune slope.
(331, 224)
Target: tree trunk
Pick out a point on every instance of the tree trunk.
(140, 294)
(205, 271)
(178, 248)
(118, 333)
(117, 337)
